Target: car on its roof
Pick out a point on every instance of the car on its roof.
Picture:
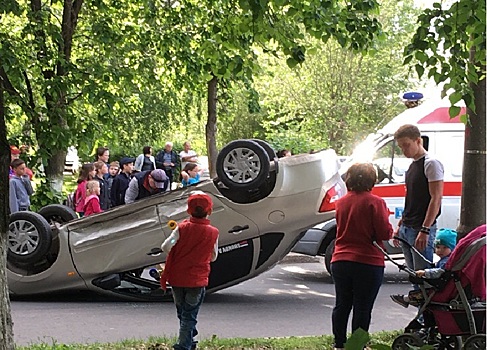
(262, 206)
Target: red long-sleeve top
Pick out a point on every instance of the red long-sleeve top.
(92, 205)
(362, 218)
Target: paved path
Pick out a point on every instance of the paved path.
(294, 298)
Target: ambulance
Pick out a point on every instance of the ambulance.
(443, 137)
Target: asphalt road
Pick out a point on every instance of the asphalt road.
(295, 298)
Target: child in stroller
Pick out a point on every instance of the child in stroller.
(451, 308)
(445, 242)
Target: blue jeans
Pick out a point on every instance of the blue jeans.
(188, 302)
(411, 258)
(356, 286)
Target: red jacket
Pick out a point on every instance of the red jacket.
(188, 262)
(92, 205)
(361, 219)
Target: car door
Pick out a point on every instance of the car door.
(120, 240)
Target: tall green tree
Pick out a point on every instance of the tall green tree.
(338, 96)
(449, 45)
(221, 41)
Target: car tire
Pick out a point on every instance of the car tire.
(328, 255)
(29, 237)
(57, 213)
(270, 151)
(243, 164)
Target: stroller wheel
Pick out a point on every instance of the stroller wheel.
(474, 342)
(449, 342)
(406, 341)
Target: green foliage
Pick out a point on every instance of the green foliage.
(45, 195)
(336, 97)
(134, 73)
(377, 341)
(449, 45)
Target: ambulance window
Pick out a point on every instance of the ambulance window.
(390, 169)
(449, 150)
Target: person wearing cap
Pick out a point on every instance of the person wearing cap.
(190, 248)
(145, 184)
(168, 160)
(121, 181)
(445, 242)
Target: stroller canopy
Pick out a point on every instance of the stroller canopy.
(468, 261)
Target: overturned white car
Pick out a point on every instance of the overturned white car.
(262, 206)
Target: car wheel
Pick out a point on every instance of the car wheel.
(29, 237)
(328, 254)
(57, 213)
(270, 151)
(243, 164)
(407, 341)
(475, 342)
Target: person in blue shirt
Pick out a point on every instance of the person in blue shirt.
(190, 174)
(19, 184)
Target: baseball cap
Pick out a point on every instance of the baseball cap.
(14, 150)
(199, 199)
(446, 237)
(126, 160)
(159, 177)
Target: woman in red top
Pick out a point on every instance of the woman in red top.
(357, 265)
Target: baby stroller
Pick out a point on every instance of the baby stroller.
(451, 309)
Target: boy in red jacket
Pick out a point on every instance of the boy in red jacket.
(190, 247)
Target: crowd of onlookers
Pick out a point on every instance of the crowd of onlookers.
(103, 184)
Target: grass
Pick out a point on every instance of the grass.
(380, 340)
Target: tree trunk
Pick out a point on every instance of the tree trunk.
(473, 188)
(54, 170)
(211, 126)
(6, 330)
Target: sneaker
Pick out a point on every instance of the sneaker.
(399, 299)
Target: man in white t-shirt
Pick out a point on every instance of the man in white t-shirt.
(187, 155)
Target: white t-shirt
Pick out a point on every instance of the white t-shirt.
(184, 154)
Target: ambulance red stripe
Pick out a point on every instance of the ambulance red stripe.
(399, 190)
